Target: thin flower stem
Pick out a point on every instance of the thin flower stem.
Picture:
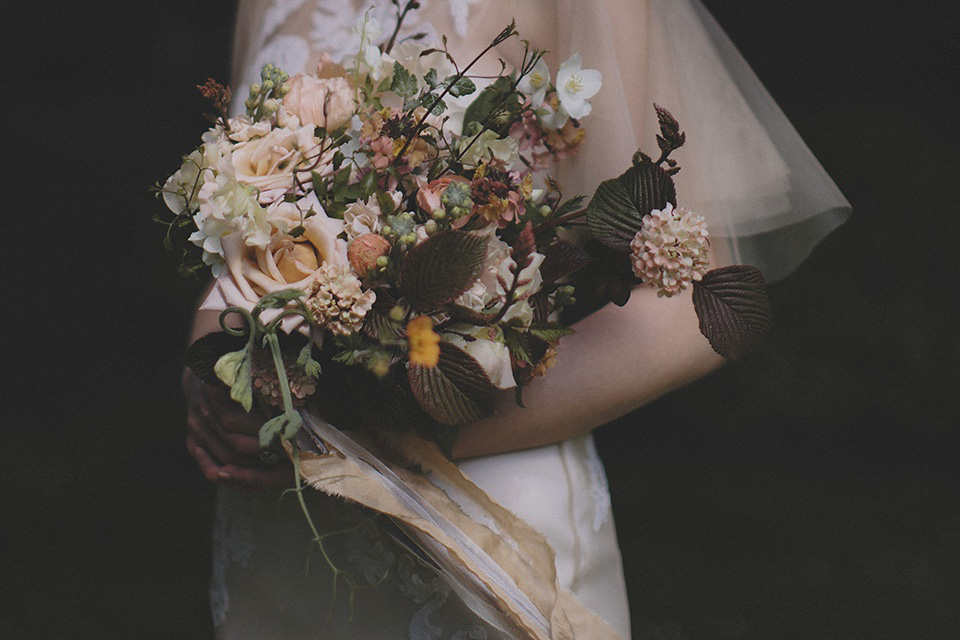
(506, 33)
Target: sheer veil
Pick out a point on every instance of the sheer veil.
(744, 167)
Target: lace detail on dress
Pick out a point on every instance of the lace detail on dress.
(460, 14)
(368, 553)
(432, 595)
(334, 23)
(232, 543)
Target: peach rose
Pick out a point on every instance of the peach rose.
(285, 263)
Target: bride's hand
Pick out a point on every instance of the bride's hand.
(222, 438)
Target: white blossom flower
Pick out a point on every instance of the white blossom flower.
(536, 83)
(488, 145)
(225, 207)
(336, 300)
(575, 86)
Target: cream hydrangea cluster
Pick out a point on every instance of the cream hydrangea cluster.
(670, 250)
(336, 301)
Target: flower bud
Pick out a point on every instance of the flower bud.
(386, 230)
(268, 85)
(397, 313)
(271, 106)
(430, 227)
(439, 214)
(365, 252)
(254, 89)
(383, 261)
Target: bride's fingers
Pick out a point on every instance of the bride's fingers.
(254, 479)
(231, 418)
(208, 466)
(201, 427)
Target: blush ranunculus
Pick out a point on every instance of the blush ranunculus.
(323, 100)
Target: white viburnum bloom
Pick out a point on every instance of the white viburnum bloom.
(575, 86)
(224, 207)
(181, 190)
(536, 83)
(490, 145)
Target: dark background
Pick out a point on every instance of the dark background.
(810, 491)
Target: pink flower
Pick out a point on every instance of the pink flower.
(670, 250)
(322, 100)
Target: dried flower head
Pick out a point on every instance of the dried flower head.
(364, 250)
(498, 195)
(336, 300)
(267, 383)
(670, 251)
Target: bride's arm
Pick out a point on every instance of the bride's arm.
(619, 359)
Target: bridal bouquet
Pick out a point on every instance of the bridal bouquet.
(388, 254)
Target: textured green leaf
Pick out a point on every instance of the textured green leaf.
(431, 77)
(462, 87)
(493, 98)
(455, 392)
(433, 104)
(306, 360)
(203, 354)
(615, 214)
(731, 303)
(319, 185)
(550, 332)
(442, 267)
(518, 343)
(233, 369)
(404, 83)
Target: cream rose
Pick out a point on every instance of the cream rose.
(324, 100)
(268, 162)
(284, 263)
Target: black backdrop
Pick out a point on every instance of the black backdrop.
(809, 491)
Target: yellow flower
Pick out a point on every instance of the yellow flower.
(424, 342)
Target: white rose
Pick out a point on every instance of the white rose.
(492, 356)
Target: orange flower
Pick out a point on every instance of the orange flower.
(424, 342)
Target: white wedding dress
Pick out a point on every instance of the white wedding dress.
(765, 196)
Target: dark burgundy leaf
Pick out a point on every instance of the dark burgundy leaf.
(731, 303)
(455, 392)
(442, 267)
(561, 259)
